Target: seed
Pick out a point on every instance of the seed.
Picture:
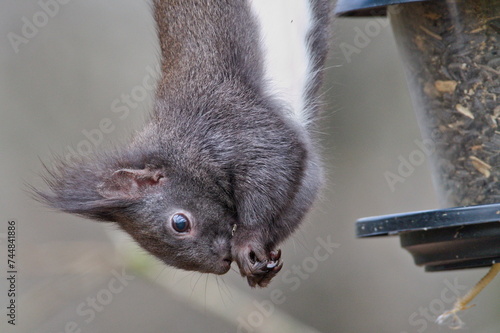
(464, 110)
(445, 86)
(481, 166)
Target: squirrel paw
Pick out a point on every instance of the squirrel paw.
(258, 265)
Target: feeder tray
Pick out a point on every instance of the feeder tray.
(451, 54)
(444, 239)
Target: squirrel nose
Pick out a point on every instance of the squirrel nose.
(227, 259)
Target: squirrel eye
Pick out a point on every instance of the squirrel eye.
(180, 223)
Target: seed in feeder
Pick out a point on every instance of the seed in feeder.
(419, 41)
(430, 33)
(464, 110)
(481, 166)
(492, 121)
(445, 86)
(431, 90)
(475, 31)
(496, 112)
(433, 16)
(488, 68)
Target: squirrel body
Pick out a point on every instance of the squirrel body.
(226, 168)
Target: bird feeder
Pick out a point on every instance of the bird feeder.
(451, 55)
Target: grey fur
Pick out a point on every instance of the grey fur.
(216, 149)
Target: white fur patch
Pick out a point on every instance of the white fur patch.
(284, 25)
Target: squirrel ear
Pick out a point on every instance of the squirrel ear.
(130, 183)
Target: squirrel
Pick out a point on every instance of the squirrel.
(227, 166)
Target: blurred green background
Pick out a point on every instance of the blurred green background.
(81, 276)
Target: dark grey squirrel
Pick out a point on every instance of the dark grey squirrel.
(226, 168)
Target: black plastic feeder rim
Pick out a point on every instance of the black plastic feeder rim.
(444, 239)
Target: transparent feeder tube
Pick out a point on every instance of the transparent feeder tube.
(451, 55)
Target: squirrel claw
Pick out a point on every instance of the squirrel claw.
(264, 271)
(263, 279)
(259, 267)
